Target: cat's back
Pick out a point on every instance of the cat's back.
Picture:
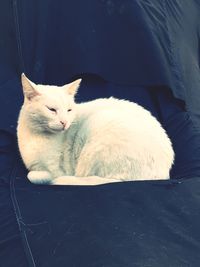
(119, 130)
(114, 119)
(112, 112)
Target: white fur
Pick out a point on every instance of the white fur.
(105, 140)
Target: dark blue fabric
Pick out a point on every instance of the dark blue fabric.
(140, 42)
(146, 51)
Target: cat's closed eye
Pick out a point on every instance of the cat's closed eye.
(52, 109)
(69, 110)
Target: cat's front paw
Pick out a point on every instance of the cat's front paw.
(39, 177)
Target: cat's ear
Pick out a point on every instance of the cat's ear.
(29, 88)
(72, 88)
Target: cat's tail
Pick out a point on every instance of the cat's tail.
(90, 180)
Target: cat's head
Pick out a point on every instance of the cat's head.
(49, 108)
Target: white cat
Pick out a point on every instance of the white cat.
(101, 141)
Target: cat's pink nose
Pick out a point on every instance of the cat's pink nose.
(64, 123)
